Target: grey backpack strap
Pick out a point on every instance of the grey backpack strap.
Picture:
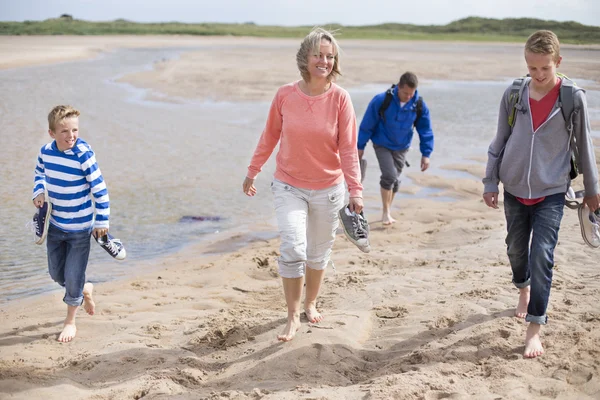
(524, 83)
(515, 97)
(566, 100)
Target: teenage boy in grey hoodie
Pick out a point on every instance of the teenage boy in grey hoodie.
(533, 164)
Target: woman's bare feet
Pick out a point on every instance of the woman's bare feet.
(533, 343)
(290, 329)
(68, 333)
(312, 314)
(521, 310)
(88, 301)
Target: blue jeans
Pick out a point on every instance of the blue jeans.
(531, 240)
(68, 254)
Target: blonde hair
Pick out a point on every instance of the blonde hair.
(543, 42)
(60, 113)
(310, 45)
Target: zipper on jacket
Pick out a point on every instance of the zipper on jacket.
(556, 110)
(530, 164)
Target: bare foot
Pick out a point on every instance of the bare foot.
(290, 329)
(68, 333)
(533, 344)
(521, 310)
(88, 301)
(313, 315)
(387, 219)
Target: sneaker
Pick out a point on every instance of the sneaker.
(356, 228)
(590, 226)
(113, 246)
(572, 198)
(41, 222)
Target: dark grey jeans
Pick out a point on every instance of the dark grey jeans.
(391, 163)
(531, 238)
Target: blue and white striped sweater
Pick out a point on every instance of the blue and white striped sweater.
(69, 177)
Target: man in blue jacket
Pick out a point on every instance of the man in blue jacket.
(390, 128)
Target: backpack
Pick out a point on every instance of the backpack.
(389, 95)
(566, 103)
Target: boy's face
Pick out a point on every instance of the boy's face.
(405, 93)
(542, 68)
(65, 133)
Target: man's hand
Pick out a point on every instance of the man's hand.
(424, 163)
(491, 199)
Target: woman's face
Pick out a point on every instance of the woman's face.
(321, 64)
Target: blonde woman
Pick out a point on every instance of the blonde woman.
(314, 123)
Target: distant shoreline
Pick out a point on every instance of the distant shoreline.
(474, 29)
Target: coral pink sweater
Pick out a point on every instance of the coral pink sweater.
(317, 136)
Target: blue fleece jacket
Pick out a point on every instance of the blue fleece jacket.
(397, 131)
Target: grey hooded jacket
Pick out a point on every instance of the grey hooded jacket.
(536, 164)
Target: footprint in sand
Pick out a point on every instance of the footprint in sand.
(391, 312)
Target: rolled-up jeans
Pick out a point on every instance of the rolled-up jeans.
(531, 239)
(307, 221)
(68, 254)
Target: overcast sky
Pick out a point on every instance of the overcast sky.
(305, 12)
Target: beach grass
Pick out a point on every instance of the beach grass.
(467, 29)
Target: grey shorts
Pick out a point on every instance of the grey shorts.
(391, 163)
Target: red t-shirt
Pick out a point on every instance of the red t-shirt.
(540, 110)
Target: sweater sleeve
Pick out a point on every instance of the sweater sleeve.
(97, 186)
(347, 137)
(496, 149)
(39, 181)
(585, 146)
(269, 138)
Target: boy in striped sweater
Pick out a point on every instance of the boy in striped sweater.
(66, 169)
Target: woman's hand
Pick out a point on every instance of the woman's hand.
(356, 204)
(248, 187)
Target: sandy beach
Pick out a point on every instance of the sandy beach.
(428, 314)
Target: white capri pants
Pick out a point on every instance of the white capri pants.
(308, 221)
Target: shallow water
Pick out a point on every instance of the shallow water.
(167, 159)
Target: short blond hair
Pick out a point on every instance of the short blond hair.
(60, 113)
(310, 45)
(543, 42)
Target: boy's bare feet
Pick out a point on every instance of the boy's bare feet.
(533, 343)
(521, 310)
(68, 333)
(88, 301)
(312, 314)
(290, 329)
